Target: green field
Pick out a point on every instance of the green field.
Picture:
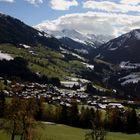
(45, 61)
(63, 132)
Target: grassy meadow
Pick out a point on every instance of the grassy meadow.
(45, 61)
(63, 132)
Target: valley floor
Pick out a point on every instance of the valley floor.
(63, 132)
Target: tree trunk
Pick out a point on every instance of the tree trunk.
(21, 138)
(13, 133)
(13, 136)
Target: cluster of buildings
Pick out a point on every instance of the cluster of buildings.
(54, 95)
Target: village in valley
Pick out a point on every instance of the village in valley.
(66, 94)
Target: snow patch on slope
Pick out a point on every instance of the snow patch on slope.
(113, 49)
(128, 65)
(78, 40)
(25, 46)
(5, 56)
(83, 51)
(137, 34)
(131, 78)
(64, 51)
(89, 66)
(44, 35)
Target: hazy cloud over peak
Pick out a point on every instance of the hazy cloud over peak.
(94, 22)
(111, 17)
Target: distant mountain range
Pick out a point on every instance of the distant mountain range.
(76, 40)
(86, 39)
(124, 48)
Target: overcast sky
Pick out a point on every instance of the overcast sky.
(108, 17)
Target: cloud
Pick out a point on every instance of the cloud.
(124, 6)
(130, 2)
(94, 22)
(63, 4)
(35, 2)
(10, 1)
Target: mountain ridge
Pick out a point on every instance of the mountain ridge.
(123, 48)
(92, 39)
(16, 32)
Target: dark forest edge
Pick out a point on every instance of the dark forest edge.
(20, 117)
(17, 69)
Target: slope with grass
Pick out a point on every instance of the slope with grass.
(63, 132)
(46, 61)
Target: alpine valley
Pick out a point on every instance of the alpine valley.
(111, 65)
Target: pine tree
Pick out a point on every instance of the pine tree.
(2, 99)
(132, 121)
(2, 104)
(73, 114)
(64, 115)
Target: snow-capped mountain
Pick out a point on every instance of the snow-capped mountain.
(73, 35)
(102, 38)
(125, 48)
(86, 39)
(80, 43)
